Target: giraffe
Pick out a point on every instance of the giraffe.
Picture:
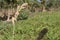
(19, 8)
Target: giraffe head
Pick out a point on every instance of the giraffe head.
(24, 5)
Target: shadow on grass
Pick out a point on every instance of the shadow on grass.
(42, 33)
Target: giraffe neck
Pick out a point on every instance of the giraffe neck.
(17, 11)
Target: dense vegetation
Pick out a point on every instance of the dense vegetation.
(34, 5)
(32, 20)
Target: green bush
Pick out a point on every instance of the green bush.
(23, 14)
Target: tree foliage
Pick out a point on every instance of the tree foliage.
(33, 4)
(8, 3)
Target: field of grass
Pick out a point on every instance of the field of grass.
(28, 29)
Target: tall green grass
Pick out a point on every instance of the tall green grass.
(28, 29)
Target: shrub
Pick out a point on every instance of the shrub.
(23, 14)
